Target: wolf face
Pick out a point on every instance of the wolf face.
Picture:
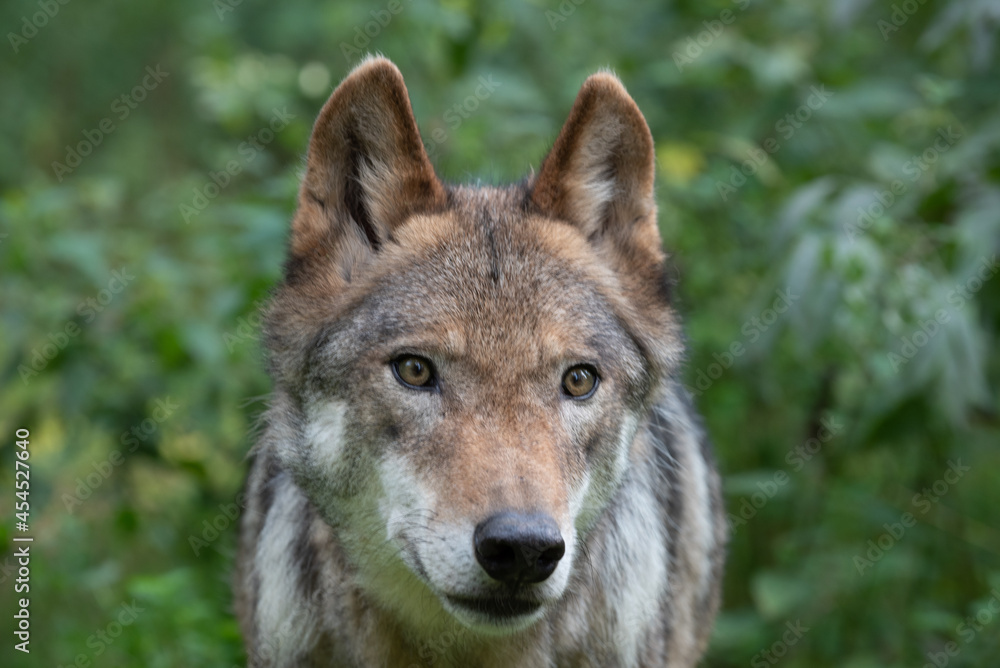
(462, 388)
(465, 375)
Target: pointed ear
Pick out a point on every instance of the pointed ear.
(366, 172)
(599, 174)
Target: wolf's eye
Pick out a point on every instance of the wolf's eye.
(415, 372)
(580, 381)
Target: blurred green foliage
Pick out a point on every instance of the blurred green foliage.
(798, 163)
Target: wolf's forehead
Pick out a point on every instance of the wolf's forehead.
(507, 264)
(498, 279)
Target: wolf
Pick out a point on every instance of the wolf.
(478, 451)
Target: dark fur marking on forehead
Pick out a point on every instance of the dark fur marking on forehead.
(494, 258)
(491, 203)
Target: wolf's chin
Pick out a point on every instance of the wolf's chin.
(493, 616)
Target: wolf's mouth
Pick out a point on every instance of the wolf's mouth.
(500, 608)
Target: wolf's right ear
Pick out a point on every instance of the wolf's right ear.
(366, 173)
(598, 178)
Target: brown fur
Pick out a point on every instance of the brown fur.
(503, 288)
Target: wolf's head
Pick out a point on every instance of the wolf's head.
(464, 370)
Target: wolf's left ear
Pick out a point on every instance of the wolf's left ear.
(367, 170)
(599, 174)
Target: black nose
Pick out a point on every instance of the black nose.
(515, 548)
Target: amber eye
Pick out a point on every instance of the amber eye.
(580, 381)
(415, 372)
